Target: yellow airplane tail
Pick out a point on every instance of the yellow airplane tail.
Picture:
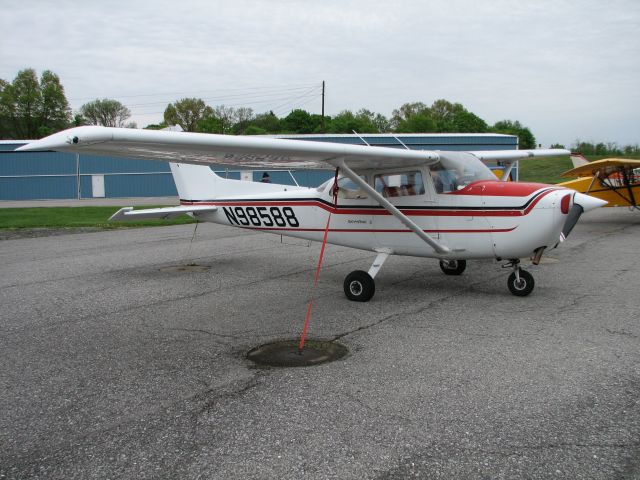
(578, 160)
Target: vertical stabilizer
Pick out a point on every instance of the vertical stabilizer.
(578, 160)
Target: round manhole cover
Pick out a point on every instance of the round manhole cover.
(185, 268)
(284, 353)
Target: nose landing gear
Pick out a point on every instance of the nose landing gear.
(520, 282)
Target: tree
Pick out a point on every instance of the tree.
(243, 117)
(156, 126)
(526, 139)
(268, 122)
(106, 112)
(405, 112)
(382, 123)
(210, 124)
(441, 116)
(55, 112)
(187, 113)
(226, 116)
(254, 130)
(444, 114)
(347, 122)
(301, 121)
(32, 108)
(5, 120)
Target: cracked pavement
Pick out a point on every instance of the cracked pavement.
(115, 366)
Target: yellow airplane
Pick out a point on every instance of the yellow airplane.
(616, 180)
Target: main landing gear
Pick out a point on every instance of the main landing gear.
(520, 282)
(453, 267)
(359, 285)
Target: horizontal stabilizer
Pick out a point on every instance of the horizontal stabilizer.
(128, 213)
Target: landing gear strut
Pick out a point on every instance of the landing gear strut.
(520, 281)
(359, 286)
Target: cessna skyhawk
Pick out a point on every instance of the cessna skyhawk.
(436, 204)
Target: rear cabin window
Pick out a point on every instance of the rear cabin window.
(401, 184)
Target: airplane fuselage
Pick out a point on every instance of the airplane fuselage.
(486, 219)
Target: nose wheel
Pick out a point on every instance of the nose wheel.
(520, 282)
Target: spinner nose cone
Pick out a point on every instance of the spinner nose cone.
(581, 203)
(587, 202)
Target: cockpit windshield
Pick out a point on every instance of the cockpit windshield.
(456, 170)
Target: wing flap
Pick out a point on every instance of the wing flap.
(128, 213)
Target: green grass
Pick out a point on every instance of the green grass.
(548, 170)
(74, 217)
(544, 170)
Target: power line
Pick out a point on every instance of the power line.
(187, 94)
(248, 96)
(283, 97)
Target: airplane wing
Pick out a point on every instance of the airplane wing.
(510, 155)
(226, 150)
(128, 213)
(601, 167)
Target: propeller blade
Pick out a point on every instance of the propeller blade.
(572, 219)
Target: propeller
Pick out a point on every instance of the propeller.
(581, 203)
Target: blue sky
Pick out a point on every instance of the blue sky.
(566, 69)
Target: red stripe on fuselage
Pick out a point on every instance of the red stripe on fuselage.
(368, 230)
(426, 211)
(496, 188)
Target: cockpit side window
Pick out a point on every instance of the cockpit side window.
(456, 170)
(348, 189)
(444, 180)
(400, 184)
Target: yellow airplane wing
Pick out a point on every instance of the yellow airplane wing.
(614, 180)
(603, 167)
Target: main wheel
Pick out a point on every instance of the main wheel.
(359, 286)
(453, 267)
(523, 287)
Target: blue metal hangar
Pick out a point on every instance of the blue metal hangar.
(55, 175)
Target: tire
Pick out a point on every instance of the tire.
(453, 267)
(525, 287)
(359, 286)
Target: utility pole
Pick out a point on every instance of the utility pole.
(323, 106)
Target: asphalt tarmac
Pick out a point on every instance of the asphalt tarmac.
(116, 364)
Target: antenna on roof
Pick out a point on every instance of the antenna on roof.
(401, 143)
(361, 138)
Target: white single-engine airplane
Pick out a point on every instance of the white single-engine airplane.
(435, 204)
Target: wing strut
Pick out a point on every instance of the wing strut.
(392, 209)
(507, 171)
